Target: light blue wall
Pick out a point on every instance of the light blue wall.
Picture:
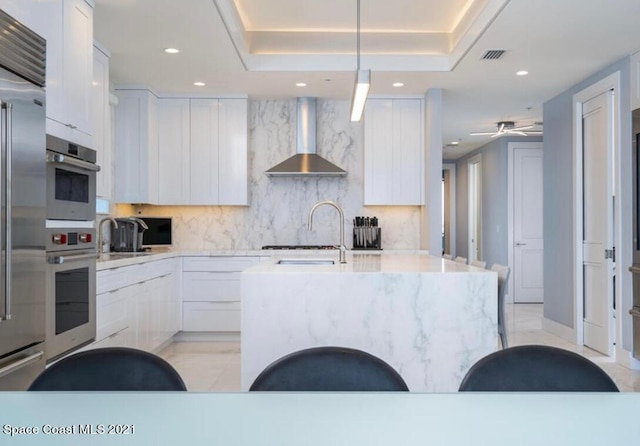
(494, 200)
(558, 197)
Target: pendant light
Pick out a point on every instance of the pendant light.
(363, 82)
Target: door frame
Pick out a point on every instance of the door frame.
(451, 168)
(476, 159)
(511, 147)
(611, 82)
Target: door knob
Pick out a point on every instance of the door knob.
(520, 244)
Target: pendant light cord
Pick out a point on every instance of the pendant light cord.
(358, 33)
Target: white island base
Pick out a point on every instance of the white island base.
(431, 319)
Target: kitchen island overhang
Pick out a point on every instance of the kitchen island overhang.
(430, 319)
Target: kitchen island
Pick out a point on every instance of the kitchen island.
(431, 319)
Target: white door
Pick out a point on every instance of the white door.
(527, 274)
(597, 123)
(475, 208)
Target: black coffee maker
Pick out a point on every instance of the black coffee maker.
(127, 237)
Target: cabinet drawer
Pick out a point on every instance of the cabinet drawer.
(211, 287)
(219, 264)
(211, 316)
(111, 313)
(123, 338)
(112, 279)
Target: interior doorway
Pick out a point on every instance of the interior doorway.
(449, 209)
(474, 172)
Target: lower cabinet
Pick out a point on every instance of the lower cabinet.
(211, 293)
(137, 306)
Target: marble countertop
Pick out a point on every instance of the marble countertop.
(387, 262)
(116, 260)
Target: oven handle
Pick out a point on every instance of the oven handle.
(62, 159)
(59, 260)
(6, 237)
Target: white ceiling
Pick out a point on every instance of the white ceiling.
(262, 48)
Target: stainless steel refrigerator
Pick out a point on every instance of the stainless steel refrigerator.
(22, 201)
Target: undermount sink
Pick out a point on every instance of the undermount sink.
(303, 261)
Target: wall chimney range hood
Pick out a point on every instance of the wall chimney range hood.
(306, 162)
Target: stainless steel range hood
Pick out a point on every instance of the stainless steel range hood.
(306, 162)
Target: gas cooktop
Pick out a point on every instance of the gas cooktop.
(300, 247)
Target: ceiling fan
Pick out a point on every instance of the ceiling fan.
(509, 128)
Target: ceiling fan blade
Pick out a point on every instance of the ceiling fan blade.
(498, 134)
(501, 128)
(517, 133)
(522, 128)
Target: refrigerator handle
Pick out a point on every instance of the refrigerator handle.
(6, 199)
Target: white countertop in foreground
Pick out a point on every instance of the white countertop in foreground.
(321, 419)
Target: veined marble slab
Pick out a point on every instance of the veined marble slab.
(429, 318)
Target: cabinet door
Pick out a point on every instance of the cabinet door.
(233, 152)
(77, 64)
(136, 147)
(204, 163)
(407, 152)
(393, 152)
(378, 153)
(173, 151)
(101, 126)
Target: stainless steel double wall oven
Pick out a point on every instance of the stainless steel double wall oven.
(71, 247)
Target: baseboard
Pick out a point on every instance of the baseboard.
(625, 358)
(205, 336)
(562, 331)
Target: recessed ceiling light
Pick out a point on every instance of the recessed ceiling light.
(454, 143)
(398, 84)
(199, 84)
(522, 72)
(301, 84)
(171, 50)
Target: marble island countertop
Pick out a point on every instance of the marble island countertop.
(119, 259)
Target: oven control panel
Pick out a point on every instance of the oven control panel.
(63, 239)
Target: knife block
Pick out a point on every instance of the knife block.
(367, 238)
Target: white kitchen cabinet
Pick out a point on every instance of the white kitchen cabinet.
(136, 147)
(138, 305)
(635, 81)
(202, 151)
(393, 152)
(204, 155)
(232, 180)
(68, 27)
(211, 293)
(101, 118)
(173, 151)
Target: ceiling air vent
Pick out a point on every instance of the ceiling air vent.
(493, 54)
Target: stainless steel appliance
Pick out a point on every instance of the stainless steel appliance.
(71, 181)
(127, 237)
(71, 285)
(22, 198)
(635, 268)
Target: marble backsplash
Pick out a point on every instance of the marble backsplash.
(279, 206)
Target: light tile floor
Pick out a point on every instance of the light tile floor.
(215, 366)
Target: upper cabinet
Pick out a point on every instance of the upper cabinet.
(101, 123)
(635, 81)
(202, 151)
(68, 27)
(393, 152)
(136, 147)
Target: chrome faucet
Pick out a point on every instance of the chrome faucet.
(343, 248)
(100, 236)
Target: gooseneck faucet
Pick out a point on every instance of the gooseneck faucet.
(343, 248)
(100, 236)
